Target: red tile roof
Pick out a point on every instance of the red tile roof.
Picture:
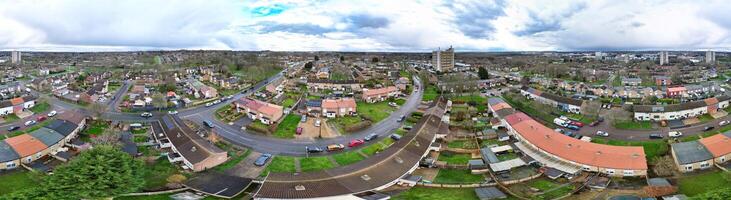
(26, 145)
(16, 101)
(718, 144)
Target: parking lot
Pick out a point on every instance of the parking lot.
(309, 130)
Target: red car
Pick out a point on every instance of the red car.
(41, 118)
(299, 131)
(575, 123)
(355, 143)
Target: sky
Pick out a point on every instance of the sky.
(371, 25)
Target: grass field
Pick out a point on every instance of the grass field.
(288, 102)
(632, 125)
(555, 193)
(705, 118)
(156, 173)
(233, 160)
(315, 163)
(374, 111)
(430, 93)
(456, 176)
(653, 149)
(288, 127)
(463, 144)
(373, 148)
(454, 158)
(40, 107)
(424, 193)
(280, 164)
(15, 180)
(348, 158)
(696, 184)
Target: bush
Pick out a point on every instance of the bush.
(356, 127)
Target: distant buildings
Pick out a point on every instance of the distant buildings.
(663, 58)
(16, 57)
(710, 57)
(443, 60)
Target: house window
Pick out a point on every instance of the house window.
(585, 168)
(610, 171)
(10, 164)
(629, 173)
(723, 158)
(689, 167)
(705, 165)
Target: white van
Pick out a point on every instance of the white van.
(559, 122)
(673, 134)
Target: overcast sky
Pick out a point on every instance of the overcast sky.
(341, 25)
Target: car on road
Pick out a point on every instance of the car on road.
(602, 133)
(708, 128)
(401, 118)
(146, 114)
(172, 112)
(723, 123)
(41, 118)
(12, 128)
(52, 113)
(313, 149)
(674, 134)
(355, 143)
(217, 101)
(395, 136)
(262, 160)
(208, 124)
(655, 136)
(335, 147)
(370, 137)
(30, 122)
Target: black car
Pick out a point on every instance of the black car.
(655, 136)
(313, 149)
(208, 124)
(395, 136)
(12, 128)
(370, 137)
(708, 128)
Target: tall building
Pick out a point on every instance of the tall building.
(443, 60)
(710, 57)
(663, 58)
(16, 57)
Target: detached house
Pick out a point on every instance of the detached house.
(265, 112)
(200, 90)
(338, 107)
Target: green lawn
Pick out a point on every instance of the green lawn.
(454, 158)
(235, 157)
(11, 117)
(542, 184)
(97, 127)
(705, 118)
(288, 102)
(488, 142)
(428, 193)
(156, 173)
(523, 105)
(40, 107)
(374, 111)
(507, 156)
(463, 144)
(694, 184)
(17, 179)
(288, 127)
(633, 125)
(315, 163)
(617, 81)
(555, 193)
(457, 176)
(430, 93)
(653, 149)
(470, 98)
(280, 164)
(373, 148)
(348, 158)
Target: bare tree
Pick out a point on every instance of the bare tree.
(590, 108)
(158, 100)
(97, 109)
(108, 137)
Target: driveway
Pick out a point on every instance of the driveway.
(246, 167)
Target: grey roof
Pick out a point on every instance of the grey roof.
(62, 127)
(485, 193)
(493, 101)
(690, 152)
(7, 153)
(314, 103)
(658, 182)
(727, 134)
(488, 156)
(47, 136)
(504, 112)
(476, 163)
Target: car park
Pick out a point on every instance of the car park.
(355, 143)
(335, 147)
(674, 134)
(313, 149)
(602, 133)
(723, 123)
(146, 114)
(655, 136)
(30, 122)
(370, 137)
(12, 128)
(262, 160)
(52, 113)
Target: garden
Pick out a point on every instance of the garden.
(288, 127)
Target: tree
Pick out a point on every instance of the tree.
(108, 137)
(97, 109)
(342, 59)
(718, 194)
(590, 108)
(159, 101)
(101, 172)
(308, 65)
(317, 58)
(482, 72)
(374, 60)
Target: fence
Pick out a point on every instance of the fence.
(441, 185)
(156, 192)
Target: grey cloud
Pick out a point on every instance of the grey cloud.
(475, 21)
(367, 21)
(551, 24)
(304, 28)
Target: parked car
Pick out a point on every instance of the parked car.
(262, 160)
(208, 124)
(209, 104)
(355, 143)
(41, 118)
(335, 147)
(52, 113)
(708, 128)
(573, 127)
(401, 118)
(602, 133)
(564, 118)
(655, 136)
(674, 134)
(395, 136)
(217, 101)
(303, 119)
(30, 122)
(313, 149)
(146, 114)
(172, 112)
(575, 123)
(370, 137)
(298, 131)
(569, 133)
(317, 123)
(723, 123)
(558, 130)
(12, 128)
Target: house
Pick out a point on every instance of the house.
(314, 107)
(561, 102)
(9, 159)
(379, 94)
(676, 91)
(265, 112)
(631, 81)
(719, 146)
(337, 85)
(193, 150)
(200, 90)
(691, 156)
(323, 73)
(663, 80)
(338, 107)
(402, 83)
(16, 105)
(680, 111)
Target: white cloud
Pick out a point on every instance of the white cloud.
(364, 25)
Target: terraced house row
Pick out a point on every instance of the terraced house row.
(702, 154)
(565, 153)
(45, 141)
(680, 111)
